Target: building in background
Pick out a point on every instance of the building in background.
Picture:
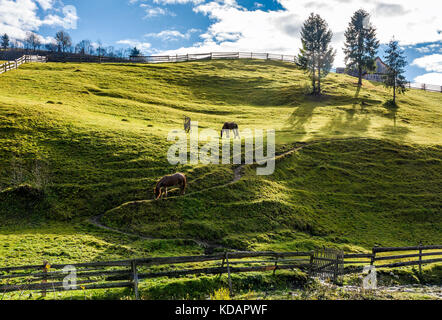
(377, 75)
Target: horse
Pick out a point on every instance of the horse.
(230, 126)
(178, 179)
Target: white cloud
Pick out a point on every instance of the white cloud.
(21, 16)
(172, 35)
(155, 11)
(143, 46)
(45, 4)
(430, 78)
(69, 21)
(429, 63)
(236, 28)
(178, 1)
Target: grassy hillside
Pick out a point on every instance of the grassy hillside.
(79, 140)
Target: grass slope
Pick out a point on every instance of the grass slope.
(79, 140)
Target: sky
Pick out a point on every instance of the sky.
(198, 26)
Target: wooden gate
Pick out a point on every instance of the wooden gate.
(327, 264)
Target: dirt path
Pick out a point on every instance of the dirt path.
(237, 175)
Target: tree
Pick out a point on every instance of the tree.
(32, 41)
(361, 44)
(63, 41)
(135, 52)
(5, 41)
(395, 61)
(84, 47)
(51, 46)
(316, 55)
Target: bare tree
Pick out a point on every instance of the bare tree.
(64, 41)
(110, 51)
(84, 47)
(32, 41)
(51, 47)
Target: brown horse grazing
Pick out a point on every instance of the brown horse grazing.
(178, 179)
(230, 126)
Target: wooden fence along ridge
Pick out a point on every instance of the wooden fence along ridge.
(11, 65)
(247, 55)
(127, 273)
(179, 58)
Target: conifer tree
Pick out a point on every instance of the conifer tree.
(5, 41)
(361, 44)
(316, 55)
(396, 63)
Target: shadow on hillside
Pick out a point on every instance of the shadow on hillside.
(339, 124)
(394, 130)
(345, 123)
(247, 90)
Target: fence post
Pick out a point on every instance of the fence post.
(373, 256)
(420, 259)
(312, 256)
(222, 266)
(423, 87)
(440, 88)
(336, 270)
(135, 279)
(267, 57)
(45, 271)
(276, 264)
(228, 273)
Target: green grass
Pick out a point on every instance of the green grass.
(78, 140)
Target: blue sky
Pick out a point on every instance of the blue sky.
(187, 26)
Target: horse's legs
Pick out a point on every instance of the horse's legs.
(236, 133)
(166, 193)
(183, 189)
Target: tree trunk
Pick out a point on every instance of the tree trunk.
(314, 75)
(360, 76)
(319, 81)
(394, 93)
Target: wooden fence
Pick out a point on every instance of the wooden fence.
(425, 87)
(388, 258)
(11, 65)
(46, 278)
(214, 56)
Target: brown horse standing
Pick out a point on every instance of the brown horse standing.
(230, 126)
(178, 179)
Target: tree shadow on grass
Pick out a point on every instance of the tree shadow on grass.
(393, 130)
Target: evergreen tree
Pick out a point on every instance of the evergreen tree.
(395, 61)
(316, 55)
(135, 52)
(361, 44)
(5, 41)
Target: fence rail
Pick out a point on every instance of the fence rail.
(249, 55)
(178, 58)
(424, 86)
(11, 65)
(213, 56)
(127, 273)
